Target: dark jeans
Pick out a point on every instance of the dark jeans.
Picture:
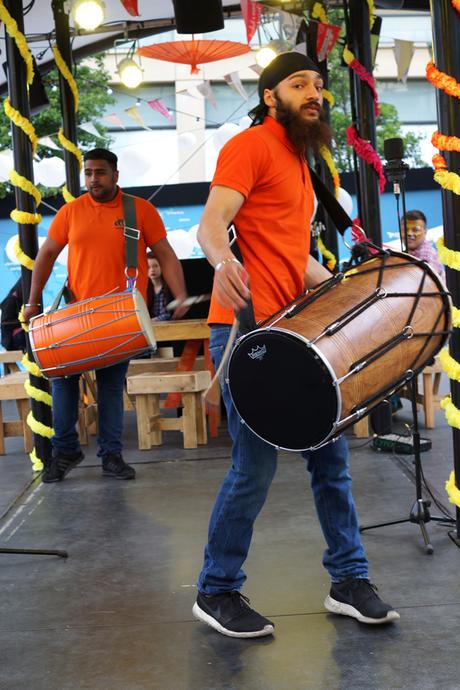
(110, 385)
(245, 489)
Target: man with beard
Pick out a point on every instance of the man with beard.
(262, 184)
(93, 228)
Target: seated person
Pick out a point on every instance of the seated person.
(13, 336)
(158, 293)
(418, 245)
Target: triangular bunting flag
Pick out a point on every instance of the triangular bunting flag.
(290, 24)
(233, 80)
(160, 107)
(90, 128)
(49, 143)
(326, 39)
(404, 51)
(251, 12)
(131, 7)
(206, 90)
(257, 69)
(134, 114)
(114, 120)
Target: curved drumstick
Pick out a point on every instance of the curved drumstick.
(211, 394)
(195, 299)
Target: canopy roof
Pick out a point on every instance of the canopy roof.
(155, 16)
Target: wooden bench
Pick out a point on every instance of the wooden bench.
(147, 388)
(12, 388)
(428, 397)
(10, 359)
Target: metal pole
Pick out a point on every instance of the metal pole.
(69, 124)
(359, 42)
(23, 164)
(446, 42)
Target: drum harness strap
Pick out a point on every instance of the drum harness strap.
(131, 239)
(132, 235)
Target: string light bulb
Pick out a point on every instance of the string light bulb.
(88, 14)
(130, 73)
(264, 56)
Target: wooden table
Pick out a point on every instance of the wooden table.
(195, 333)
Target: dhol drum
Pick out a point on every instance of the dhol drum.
(330, 356)
(91, 334)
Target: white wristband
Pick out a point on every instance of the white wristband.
(226, 261)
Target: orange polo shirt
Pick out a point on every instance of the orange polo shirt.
(96, 261)
(273, 224)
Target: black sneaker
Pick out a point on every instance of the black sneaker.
(60, 465)
(230, 614)
(113, 465)
(358, 598)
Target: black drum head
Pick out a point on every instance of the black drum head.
(282, 389)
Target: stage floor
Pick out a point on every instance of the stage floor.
(116, 615)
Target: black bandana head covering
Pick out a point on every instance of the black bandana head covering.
(282, 67)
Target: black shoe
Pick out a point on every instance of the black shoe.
(230, 614)
(60, 465)
(113, 465)
(359, 599)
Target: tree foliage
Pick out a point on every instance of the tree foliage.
(92, 82)
(388, 124)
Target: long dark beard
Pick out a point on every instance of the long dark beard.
(303, 134)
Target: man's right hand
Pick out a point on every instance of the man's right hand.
(231, 284)
(31, 311)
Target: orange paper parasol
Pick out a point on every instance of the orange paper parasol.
(194, 52)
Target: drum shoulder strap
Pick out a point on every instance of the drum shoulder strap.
(131, 232)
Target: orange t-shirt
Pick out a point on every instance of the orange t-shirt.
(96, 261)
(273, 224)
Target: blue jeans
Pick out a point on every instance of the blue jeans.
(245, 489)
(110, 385)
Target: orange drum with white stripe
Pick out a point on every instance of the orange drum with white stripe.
(91, 334)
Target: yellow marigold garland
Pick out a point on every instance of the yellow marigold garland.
(327, 156)
(451, 411)
(26, 185)
(452, 491)
(448, 257)
(455, 317)
(21, 122)
(39, 428)
(450, 365)
(70, 146)
(318, 12)
(327, 95)
(67, 74)
(66, 194)
(20, 40)
(37, 394)
(37, 464)
(331, 260)
(31, 367)
(447, 180)
(25, 218)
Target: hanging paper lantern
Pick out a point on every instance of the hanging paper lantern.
(193, 52)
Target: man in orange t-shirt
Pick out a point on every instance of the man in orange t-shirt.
(262, 184)
(91, 226)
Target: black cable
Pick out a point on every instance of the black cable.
(27, 9)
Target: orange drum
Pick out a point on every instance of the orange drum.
(91, 334)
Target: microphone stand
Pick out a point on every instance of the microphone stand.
(395, 172)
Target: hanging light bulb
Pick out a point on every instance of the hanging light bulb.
(264, 56)
(88, 14)
(130, 73)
